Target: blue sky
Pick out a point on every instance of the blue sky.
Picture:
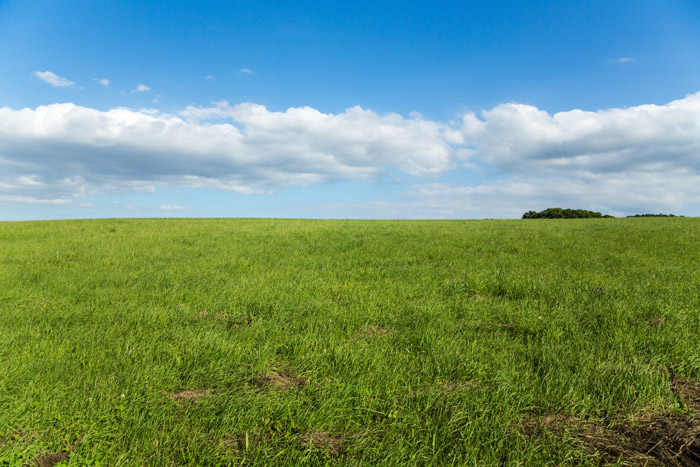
(348, 110)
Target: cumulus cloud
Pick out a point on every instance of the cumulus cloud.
(518, 138)
(75, 150)
(141, 88)
(53, 79)
(104, 82)
(616, 160)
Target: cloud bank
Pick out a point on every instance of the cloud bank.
(649, 138)
(616, 160)
(70, 150)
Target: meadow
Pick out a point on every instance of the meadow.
(310, 342)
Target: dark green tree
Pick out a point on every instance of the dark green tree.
(559, 213)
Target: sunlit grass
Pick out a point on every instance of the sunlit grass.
(283, 342)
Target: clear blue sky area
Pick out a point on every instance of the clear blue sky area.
(508, 66)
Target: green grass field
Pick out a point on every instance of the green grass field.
(305, 342)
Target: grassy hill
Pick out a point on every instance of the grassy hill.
(288, 342)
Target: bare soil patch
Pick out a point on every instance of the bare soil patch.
(668, 439)
(456, 386)
(322, 440)
(656, 321)
(50, 459)
(688, 392)
(190, 395)
(244, 441)
(16, 435)
(281, 381)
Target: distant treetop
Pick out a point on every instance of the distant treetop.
(559, 213)
(654, 215)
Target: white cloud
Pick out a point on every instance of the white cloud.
(644, 158)
(246, 71)
(171, 207)
(625, 60)
(44, 201)
(104, 82)
(617, 194)
(209, 77)
(517, 138)
(53, 79)
(248, 150)
(141, 88)
(635, 192)
(29, 180)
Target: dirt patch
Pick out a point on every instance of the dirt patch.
(190, 395)
(668, 439)
(16, 435)
(372, 330)
(368, 331)
(50, 459)
(281, 381)
(455, 386)
(243, 441)
(688, 392)
(656, 321)
(238, 321)
(322, 440)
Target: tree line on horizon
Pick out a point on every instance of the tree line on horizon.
(559, 213)
(655, 215)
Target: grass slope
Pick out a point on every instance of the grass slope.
(287, 342)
